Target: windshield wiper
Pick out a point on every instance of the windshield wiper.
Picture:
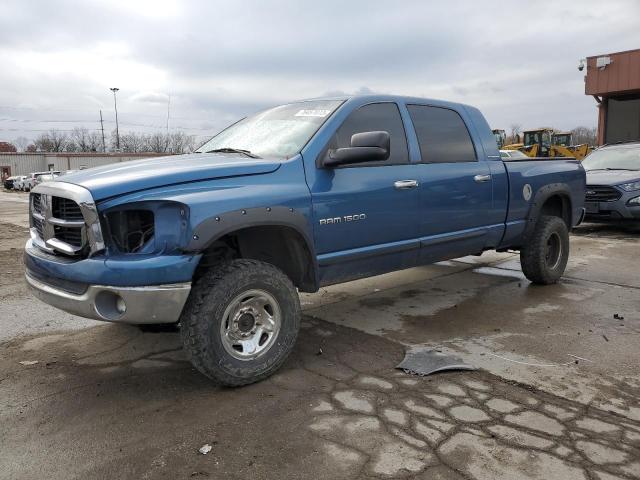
(233, 150)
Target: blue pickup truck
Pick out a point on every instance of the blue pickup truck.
(296, 197)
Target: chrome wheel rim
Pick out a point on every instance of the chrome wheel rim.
(250, 324)
(553, 251)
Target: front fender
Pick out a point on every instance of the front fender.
(210, 230)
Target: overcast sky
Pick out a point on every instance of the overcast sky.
(218, 61)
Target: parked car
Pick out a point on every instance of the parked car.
(513, 155)
(18, 183)
(46, 177)
(297, 197)
(613, 182)
(31, 180)
(8, 182)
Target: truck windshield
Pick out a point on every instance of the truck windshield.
(278, 132)
(621, 158)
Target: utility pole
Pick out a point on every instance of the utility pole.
(168, 107)
(104, 148)
(115, 105)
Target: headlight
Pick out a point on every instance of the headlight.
(131, 231)
(634, 202)
(147, 227)
(630, 187)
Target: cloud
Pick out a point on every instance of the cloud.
(150, 97)
(222, 60)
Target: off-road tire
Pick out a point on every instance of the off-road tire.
(201, 319)
(534, 256)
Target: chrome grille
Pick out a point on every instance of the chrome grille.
(71, 235)
(35, 199)
(66, 209)
(602, 193)
(37, 224)
(64, 220)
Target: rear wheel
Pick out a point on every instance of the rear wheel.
(240, 322)
(544, 257)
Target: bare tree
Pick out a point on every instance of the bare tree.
(80, 140)
(43, 143)
(514, 133)
(52, 141)
(59, 140)
(582, 135)
(94, 142)
(83, 140)
(131, 142)
(180, 142)
(156, 142)
(21, 143)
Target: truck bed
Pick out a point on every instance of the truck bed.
(536, 175)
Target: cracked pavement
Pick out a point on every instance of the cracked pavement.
(555, 397)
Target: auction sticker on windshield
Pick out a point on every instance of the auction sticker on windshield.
(313, 113)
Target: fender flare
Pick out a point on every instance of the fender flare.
(216, 227)
(541, 196)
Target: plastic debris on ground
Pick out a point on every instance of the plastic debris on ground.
(206, 448)
(427, 361)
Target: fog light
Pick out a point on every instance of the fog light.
(121, 307)
(634, 202)
(110, 305)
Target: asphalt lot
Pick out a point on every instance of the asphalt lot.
(556, 395)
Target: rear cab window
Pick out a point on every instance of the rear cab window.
(442, 135)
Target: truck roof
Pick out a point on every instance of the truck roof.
(375, 97)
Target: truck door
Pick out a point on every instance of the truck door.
(365, 214)
(455, 186)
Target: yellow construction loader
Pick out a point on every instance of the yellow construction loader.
(562, 146)
(500, 136)
(545, 142)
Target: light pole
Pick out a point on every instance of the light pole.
(115, 105)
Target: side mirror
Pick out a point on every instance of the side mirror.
(365, 147)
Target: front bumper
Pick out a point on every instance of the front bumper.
(119, 289)
(135, 305)
(615, 210)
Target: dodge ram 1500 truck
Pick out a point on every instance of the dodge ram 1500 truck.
(296, 197)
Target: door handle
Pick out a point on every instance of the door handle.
(482, 178)
(405, 184)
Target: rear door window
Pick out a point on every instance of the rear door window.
(442, 135)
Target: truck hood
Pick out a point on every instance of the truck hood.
(612, 177)
(126, 177)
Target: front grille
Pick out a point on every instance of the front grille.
(71, 235)
(37, 224)
(66, 209)
(35, 198)
(602, 193)
(47, 212)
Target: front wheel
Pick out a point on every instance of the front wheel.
(544, 257)
(240, 322)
